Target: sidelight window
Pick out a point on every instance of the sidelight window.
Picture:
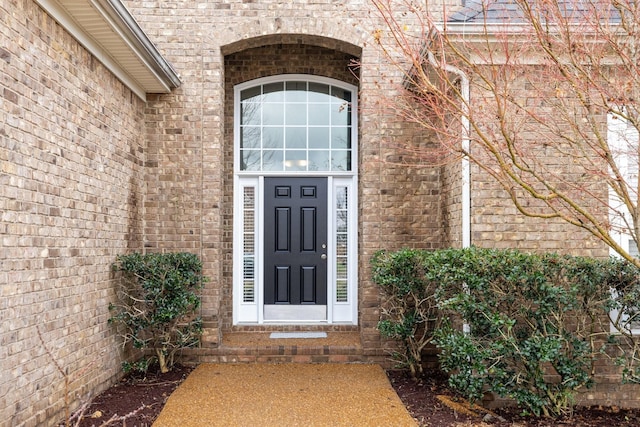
(342, 243)
(248, 244)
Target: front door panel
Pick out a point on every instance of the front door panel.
(295, 241)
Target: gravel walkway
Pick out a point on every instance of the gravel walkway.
(285, 395)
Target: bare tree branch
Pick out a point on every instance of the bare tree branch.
(544, 82)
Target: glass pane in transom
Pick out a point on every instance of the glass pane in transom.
(319, 114)
(273, 113)
(340, 114)
(273, 137)
(319, 92)
(251, 137)
(296, 114)
(319, 160)
(295, 160)
(272, 160)
(252, 94)
(340, 160)
(273, 92)
(296, 137)
(319, 137)
(296, 92)
(340, 137)
(250, 160)
(251, 113)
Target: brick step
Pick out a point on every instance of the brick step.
(259, 347)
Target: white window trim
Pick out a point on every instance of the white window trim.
(617, 138)
(337, 313)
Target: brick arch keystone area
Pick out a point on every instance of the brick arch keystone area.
(291, 38)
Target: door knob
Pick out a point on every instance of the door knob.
(323, 256)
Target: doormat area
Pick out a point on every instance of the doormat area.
(284, 335)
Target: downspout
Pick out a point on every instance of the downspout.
(464, 163)
(465, 143)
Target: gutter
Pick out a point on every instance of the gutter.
(122, 20)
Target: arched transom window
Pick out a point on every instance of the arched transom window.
(296, 126)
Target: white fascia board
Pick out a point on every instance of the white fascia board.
(477, 36)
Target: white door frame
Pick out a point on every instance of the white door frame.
(342, 202)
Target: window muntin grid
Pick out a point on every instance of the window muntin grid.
(296, 126)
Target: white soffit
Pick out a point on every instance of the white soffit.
(109, 32)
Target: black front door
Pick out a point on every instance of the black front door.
(295, 241)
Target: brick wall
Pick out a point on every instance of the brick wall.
(495, 219)
(496, 223)
(452, 203)
(71, 152)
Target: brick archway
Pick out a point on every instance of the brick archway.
(263, 57)
(288, 39)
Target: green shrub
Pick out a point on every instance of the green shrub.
(535, 324)
(531, 328)
(157, 305)
(409, 313)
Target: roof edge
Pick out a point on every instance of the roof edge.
(116, 18)
(123, 18)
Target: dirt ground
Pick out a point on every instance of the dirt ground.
(137, 402)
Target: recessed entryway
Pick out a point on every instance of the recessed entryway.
(295, 198)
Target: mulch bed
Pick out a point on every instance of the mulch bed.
(421, 400)
(136, 401)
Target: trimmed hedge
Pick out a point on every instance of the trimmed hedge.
(534, 324)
